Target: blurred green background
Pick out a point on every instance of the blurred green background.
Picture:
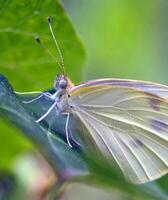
(98, 39)
(123, 38)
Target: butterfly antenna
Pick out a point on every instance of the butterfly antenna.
(57, 46)
(47, 50)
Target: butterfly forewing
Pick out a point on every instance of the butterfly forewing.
(128, 122)
(153, 88)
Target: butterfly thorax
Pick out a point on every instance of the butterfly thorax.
(62, 85)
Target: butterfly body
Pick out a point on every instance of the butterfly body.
(61, 96)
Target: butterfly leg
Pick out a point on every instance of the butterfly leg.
(49, 110)
(33, 92)
(67, 129)
(47, 94)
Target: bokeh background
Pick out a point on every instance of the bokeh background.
(123, 39)
(98, 39)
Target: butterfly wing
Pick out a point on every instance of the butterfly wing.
(127, 121)
(145, 86)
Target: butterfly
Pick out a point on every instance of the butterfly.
(126, 120)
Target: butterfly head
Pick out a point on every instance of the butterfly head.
(62, 82)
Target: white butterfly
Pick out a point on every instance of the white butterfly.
(127, 120)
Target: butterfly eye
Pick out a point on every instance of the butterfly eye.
(63, 83)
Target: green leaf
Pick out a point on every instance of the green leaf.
(58, 153)
(27, 66)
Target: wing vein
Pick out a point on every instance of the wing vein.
(132, 123)
(109, 149)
